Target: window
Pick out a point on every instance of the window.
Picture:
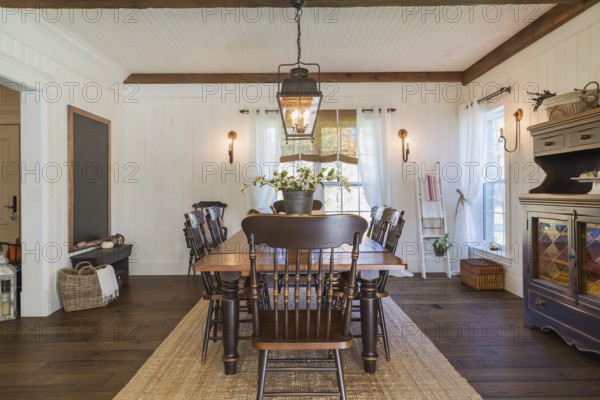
(494, 206)
(339, 200)
(334, 146)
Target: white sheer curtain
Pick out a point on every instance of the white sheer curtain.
(471, 156)
(266, 150)
(371, 128)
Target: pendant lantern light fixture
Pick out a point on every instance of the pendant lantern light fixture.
(298, 96)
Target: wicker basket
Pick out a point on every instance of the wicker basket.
(79, 288)
(482, 274)
(573, 102)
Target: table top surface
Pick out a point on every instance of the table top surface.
(232, 256)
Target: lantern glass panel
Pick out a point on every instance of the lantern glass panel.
(8, 292)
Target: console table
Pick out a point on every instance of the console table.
(118, 257)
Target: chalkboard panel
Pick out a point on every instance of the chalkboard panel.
(89, 183)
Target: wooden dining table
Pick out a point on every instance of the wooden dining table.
(232, 261)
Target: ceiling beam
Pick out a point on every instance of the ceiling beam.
(77, 4)
(552, 19)
(338, 77)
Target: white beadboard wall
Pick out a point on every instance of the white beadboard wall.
(567, 58)
(177, 142)
(44, 141)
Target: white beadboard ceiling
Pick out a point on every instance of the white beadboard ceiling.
(373, 39)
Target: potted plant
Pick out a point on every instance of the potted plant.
(298, 189)
(441, 245)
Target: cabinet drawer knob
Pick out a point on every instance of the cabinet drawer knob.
(539, 303)
(584, 137)
(548, 143)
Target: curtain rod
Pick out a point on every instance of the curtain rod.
(370, 110)
(246, 111)
(391, 109)
(496, 93)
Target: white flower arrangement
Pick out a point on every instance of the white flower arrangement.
(305, 179)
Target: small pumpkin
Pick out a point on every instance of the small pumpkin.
(107, 245)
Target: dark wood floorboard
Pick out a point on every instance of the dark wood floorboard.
(92, 354)
(481, 333)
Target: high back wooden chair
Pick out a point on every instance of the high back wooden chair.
(211, 283)
(376, 229)
(302, 318)
(215, 225)
(394, 224)
(197, 231)
(212, 286)
(202, 205)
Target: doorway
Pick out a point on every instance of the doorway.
(10, 190)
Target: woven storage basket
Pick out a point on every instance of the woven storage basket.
(482, 274)
(573, 102)
(79, 288)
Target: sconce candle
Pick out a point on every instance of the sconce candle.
(403, 134)
(231, 136)
(518, 117)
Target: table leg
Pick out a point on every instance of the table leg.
(368, 323)
(231, 325)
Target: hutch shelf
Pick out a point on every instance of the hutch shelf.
(561, 269)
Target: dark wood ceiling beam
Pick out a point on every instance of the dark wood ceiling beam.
(338, 77)
(53, 4)
(551, 20)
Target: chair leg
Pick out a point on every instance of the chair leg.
(386, 343)
(340, 374)
(191, 264)
(207, 328)
(218, 312)
(263, 356)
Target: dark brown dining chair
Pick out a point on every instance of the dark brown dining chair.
(213, 292)
(394, 224)
(197, 223)
(301, 318)
(376, 229)
(215, 225)
(201, 205)
(278, 206)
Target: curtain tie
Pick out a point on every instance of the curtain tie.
(460, 202)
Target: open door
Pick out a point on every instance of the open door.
(10, 230)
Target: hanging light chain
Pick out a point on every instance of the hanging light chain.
(297, 18)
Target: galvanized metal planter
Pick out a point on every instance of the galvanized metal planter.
(298, 201)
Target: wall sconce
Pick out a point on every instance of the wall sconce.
(403, 133)
(518, 117)
(231, 136)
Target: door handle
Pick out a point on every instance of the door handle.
(13, 207)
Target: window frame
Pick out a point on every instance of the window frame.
(494, 112)
(354, 185)
(292, 165)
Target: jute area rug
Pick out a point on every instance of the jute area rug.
(417, 370)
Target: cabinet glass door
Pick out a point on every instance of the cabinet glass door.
(551, 251)
(591, 264)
